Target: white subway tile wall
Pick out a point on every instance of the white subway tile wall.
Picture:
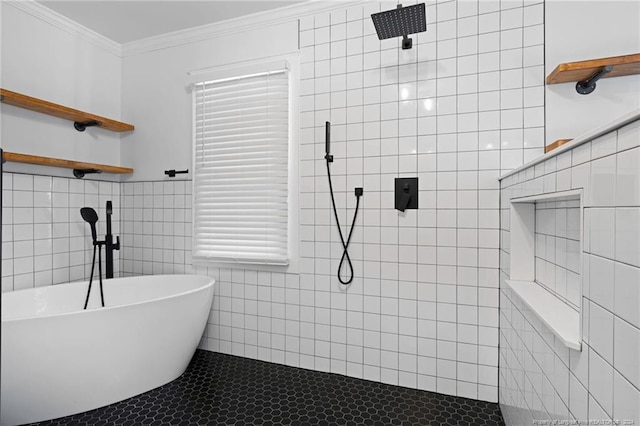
(156, 228)
(458, 109)
(541, 379)
(44, 239)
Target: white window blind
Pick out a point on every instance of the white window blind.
(241, 169)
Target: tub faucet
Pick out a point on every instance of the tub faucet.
(110, 246)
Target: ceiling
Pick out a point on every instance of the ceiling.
(126, 21)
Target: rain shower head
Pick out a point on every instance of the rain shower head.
(400, 22)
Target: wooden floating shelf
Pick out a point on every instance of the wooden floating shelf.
(583, 70)
(67, 164)
(556, 144)
(45, 107)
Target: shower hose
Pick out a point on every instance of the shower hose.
(93, 265)
(345, 245)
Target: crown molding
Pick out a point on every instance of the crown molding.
(49, 16)
(181, 37)
(234, 26)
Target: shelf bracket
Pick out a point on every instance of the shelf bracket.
(81, 127)
(79, 173)
(173, 173)
(587, 86)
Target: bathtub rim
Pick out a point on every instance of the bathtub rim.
(210, 283)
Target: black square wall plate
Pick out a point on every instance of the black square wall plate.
(406, 193)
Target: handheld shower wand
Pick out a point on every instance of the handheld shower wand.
(91, 217)
(358, 194)
(327, 143)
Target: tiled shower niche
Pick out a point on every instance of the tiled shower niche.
(545, 266)
(557, 249)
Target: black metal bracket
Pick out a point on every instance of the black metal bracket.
(407, 43)
(173, 173)
(79, 173)
(81, 127)
(587, 86)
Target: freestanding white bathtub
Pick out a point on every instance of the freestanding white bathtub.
(58, 359)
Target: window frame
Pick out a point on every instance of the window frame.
(291, 63)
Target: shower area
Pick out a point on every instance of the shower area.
(422, 310)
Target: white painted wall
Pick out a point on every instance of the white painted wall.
(156, 93)
(42, 60)
(581, 30)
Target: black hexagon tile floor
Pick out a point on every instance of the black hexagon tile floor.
(220, 389)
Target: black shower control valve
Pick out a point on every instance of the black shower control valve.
(406, 194)
(359, 192)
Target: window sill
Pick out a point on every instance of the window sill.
(559, 317)
(291, 268)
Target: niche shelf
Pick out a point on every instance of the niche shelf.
(81, 119)
(67, 164)
(562, 321)
(589, 71)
